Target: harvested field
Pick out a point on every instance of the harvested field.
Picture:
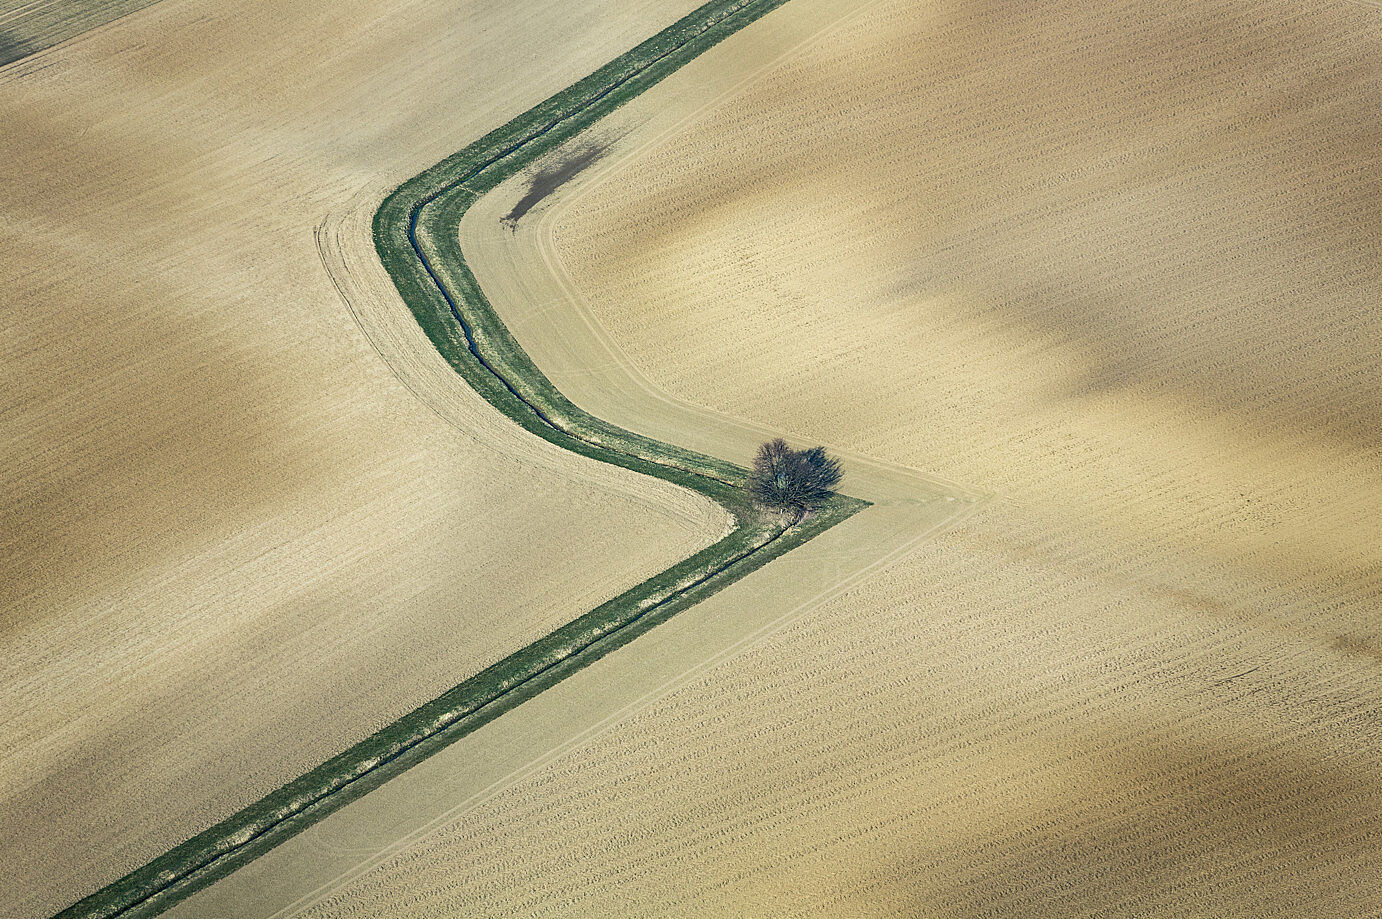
(1117, 264)
(234, 541)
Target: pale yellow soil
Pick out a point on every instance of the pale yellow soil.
(1117, 263)
(233, 542)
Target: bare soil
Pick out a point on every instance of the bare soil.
(1116, 264)
(233, 540)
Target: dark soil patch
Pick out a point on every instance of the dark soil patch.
(552, 176)
(13, 47)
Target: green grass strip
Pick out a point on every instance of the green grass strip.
(415, 235)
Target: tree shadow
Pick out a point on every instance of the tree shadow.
(549, 178)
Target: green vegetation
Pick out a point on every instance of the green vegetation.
(414, 233)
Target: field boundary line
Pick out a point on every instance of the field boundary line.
(607, 169)
(755, 639)
(433, 279)
(970, 501)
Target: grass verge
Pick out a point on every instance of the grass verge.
(415, 235)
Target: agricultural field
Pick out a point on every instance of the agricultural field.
(30, 26)
(236, 539)
(1116, 264)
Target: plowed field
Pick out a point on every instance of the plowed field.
(1116, 263)
(233, 542)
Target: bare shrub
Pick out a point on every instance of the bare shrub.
(790, 479)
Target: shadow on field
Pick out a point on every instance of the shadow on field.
(1155, 827)
(13, 47)
(551, 176)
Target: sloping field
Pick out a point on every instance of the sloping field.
(30, 26)
(233, 541)
(1119, 265)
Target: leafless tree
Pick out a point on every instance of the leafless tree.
(790, 479)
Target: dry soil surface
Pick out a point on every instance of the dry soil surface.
(233, 542)
(1115, 262)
